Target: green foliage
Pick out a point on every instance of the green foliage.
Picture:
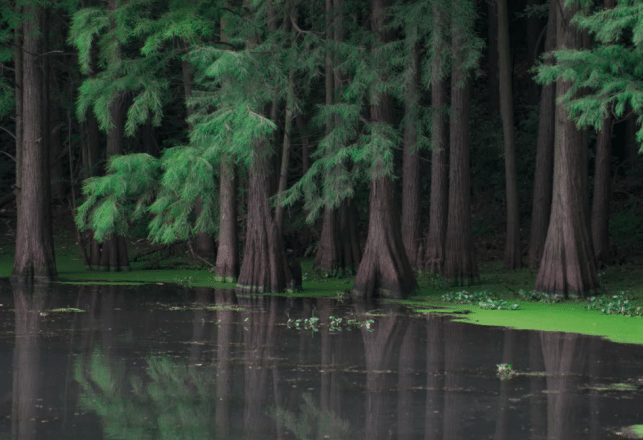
(619, 304)
(312, 422)
(163, 404)
(611, 71)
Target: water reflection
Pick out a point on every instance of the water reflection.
(151, 363)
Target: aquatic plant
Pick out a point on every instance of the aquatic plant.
(505, 371)
(619, 304)
(486, 300)
(534, 296)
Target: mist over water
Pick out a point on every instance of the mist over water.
(161, 362)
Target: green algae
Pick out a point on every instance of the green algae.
(562, 317)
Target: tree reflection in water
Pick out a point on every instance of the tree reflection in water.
(402, 378)
(29, 302)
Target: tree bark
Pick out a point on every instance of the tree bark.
(34, 254)
(513, 255)
(264, 267)
(544, 174)
(460, 263)
(434, 254)
(227, 265)
(411, 182)
(568, 266)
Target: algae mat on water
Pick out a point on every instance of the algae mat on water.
(562, 317)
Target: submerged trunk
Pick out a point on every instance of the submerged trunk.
(460, 263)
(264, 267)
(34, 254)
(568, 266)
(544, 175)
(434, 254)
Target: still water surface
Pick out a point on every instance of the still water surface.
(164, 362)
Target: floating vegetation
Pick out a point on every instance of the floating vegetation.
(505, 371)
(486, 300)
(619, 304)
(534, 296)
(65, 310)
(335, 323)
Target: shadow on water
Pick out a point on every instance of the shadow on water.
(160, 362)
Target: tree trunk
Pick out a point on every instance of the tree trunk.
(411, 182)
(533, 40)
(434, 254)
(227, 265)
(327, 258)
(113, 256)
(34, 255)
(492, 79)
(19, 89)
(285, 160)
(601, 199)
(264, 267)
(513, 255)
(544, 174)
(568, 266)
(460, 263)
(385, 269)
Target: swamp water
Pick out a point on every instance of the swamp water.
(164, 362)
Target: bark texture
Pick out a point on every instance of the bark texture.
(460, 263)
(227, 265)
(513, 255)
(385, 270)
(264, 267)
(568, 266)
(544, 174)
(411, 182)
(434, 254)
(34, 255)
